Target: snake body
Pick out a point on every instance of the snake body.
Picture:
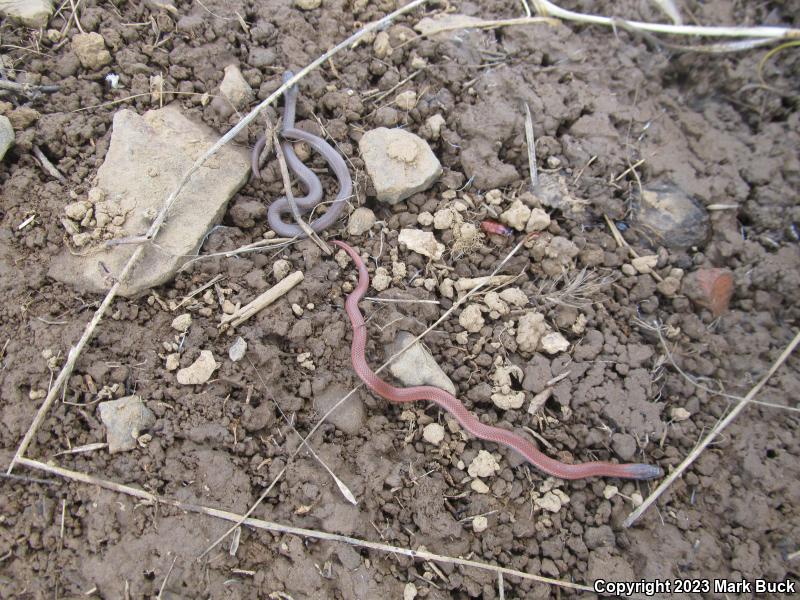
(454, 406)
(280, 208)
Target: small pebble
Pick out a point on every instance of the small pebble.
(645, 264)
(410, 591)
(237, 349)
(182, 322)
(478, 486)
(483, 465)
(173, 361)
(479, 524)
(406, 100)
(281, 268)
(433, 433)
(679, 414)
(297, 310)
(610, 491)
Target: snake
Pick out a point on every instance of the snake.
(309, 180)
(456, 408)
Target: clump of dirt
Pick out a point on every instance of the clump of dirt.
(601, 101)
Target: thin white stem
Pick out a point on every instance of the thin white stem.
(546, 8)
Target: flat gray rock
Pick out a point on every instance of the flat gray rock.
(125, 420)
(6, 136)
(146, 159)
(399, 163)
(416, 366)
(349, 416)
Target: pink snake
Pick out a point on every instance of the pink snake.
(454, 406)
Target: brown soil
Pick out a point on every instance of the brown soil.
(699, 123)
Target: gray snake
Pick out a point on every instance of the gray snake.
(280, 207)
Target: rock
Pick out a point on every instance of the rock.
(182, 322)
(709, 288)
(479, 487)
(409, 591)
(31, 13)
(90, 48)
(406, 100)
(349, 416)
(421, 242)
(237, 349)
(425, 219)
(538, 221)
(199, 371)
(6, 136)
(281, 268)
(679, 414)
(514, 296)
(399, 163)
(509, 400)
(361, 221)
(552, 501)
(381, 46)
(381, 280)
(125, 420)
(628, 269)
(416, 366)
(172, 362)
(433, 433)
(479, 524)
(668, 217)
(553, 343)
(483, 465)
(562, 249)
(669, 287)
(610, 491)
(307, 4)
(435, 124)
(443, 219)
(645, 264)
(235, 88)
(471, 318)
(530, 329)
(495, 304)
(77, 210)
(624, 444)
(516, 215)
(146, 158)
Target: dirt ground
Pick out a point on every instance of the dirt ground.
(601, 101)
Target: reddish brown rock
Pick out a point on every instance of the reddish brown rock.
(710, 288)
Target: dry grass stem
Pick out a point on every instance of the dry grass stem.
(279, 289)
(712, 435)
(288, 529)
(48, 167)
(531, 143)
(547, 8)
